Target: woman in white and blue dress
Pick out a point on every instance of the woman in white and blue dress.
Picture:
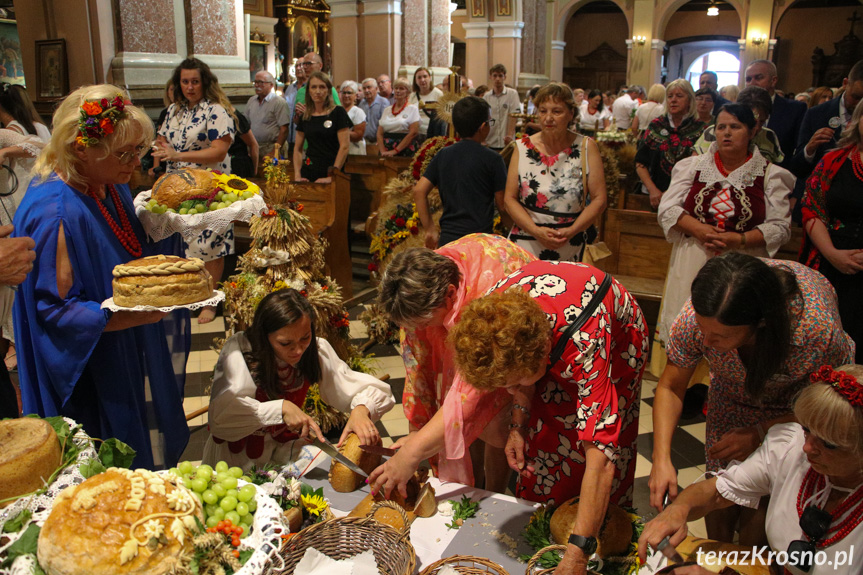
(197, 133)
(545, 184)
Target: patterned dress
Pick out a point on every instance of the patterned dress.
(817, 339)
(430, 376)
(663, 145)
(592, 392)
(550, 188)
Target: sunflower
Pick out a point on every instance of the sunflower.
(236, 185)
(314, 504)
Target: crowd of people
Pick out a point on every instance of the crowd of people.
(518, 357)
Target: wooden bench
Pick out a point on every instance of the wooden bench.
(326, 206)
(369, 176)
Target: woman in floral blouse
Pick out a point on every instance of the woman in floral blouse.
(545, 186)
(667, 140)
(197, 133)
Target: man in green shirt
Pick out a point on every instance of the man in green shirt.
(311, 63)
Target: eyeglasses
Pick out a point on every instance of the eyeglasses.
(490, 122)
(129, 157)
(260, 83)
(814, 522)
(307, 63)
(348, 92)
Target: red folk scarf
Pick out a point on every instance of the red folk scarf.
(815, 201)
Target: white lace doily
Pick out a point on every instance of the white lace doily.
(160, 226)
(266, 535)
(217, 297)
(41, 505)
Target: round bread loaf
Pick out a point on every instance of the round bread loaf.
(614, 536)
(189, 183)
(29, 454)
(161, 281)
(343, 479)
(119, 522)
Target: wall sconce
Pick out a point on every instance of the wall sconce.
(640, 40)
(758, 40)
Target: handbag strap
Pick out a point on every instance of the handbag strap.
(586, 313)
(584, 140)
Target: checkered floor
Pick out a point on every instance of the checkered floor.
(687, 448)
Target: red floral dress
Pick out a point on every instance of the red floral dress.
(592, 392)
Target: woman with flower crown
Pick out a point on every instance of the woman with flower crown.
(545, 187)
(763, 326)
(812, 471)
(75, 359)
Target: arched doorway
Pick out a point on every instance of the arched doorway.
(832, 26)
(690, 34)
(595, 55)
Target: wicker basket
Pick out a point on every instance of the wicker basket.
(466, 565)
(532, 569)
(349, 536)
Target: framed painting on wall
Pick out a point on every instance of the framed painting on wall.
(504, 8)
(51, 69)
(11, 64)
(257, 57)
(304, 37)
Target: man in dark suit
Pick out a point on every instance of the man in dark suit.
(787, 114)
(710, 80)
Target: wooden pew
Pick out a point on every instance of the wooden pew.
(369, 176)
(326, 206)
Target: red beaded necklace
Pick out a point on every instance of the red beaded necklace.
(400, 110)
(857, 164)
(814, 480)
(123, 231)
(721, 166)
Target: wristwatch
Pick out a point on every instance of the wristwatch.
(586, 544)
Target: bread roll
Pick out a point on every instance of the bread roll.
(189, 183)
(614, 536)
(29, 454)
(343, 479)
(120, 522)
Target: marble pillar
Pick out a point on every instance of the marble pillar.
(439, 39)
(416, 18)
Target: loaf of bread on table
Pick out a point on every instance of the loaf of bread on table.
(343, 479)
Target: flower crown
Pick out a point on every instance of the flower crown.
(846, 385)
(98, 118)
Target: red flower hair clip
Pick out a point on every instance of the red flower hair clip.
(98, 119)
(847, 385)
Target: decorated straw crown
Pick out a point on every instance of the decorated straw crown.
(847, 385)
(98, 119)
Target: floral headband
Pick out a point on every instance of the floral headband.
(98, 118)
(846, 385)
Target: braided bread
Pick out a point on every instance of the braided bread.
(161, 281)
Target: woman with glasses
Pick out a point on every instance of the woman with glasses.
(550, 176)
(812, 471)
(111, 372)
(348, 92)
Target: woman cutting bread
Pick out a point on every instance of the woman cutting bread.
(261, 381)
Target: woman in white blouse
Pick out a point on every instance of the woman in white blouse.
(399, 125)
(423, 91)
(811, 470)
(594, 116)
(348, 93)
(260, 385)
(729, 199)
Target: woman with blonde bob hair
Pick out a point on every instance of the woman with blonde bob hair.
(555, 188)
(569, 343)
(667, 140)
(812, 471)
(72, 353)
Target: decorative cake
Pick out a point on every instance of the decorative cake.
(161, 281)
(343, 479)
(187, 184)
(120, 522)
(29, 454)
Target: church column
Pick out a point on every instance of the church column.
(555, 68)
(506, 47)
(656, 48)
(415, 49)
(345, 40)
(381, 37)
(439, 37)
(759, 18)
(476, 52)
(644, 67)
